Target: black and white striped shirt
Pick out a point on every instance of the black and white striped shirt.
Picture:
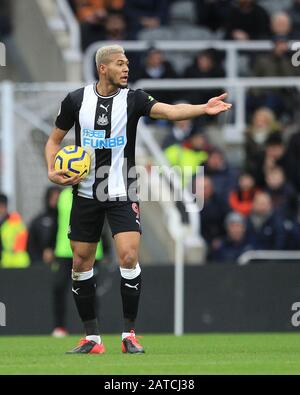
(106, 127)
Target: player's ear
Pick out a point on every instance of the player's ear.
(102, 68)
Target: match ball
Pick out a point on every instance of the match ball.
(74, 159)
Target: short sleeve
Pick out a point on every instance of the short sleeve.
(144, 102)
(65, 118)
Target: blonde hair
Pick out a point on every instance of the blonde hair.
(103, 54)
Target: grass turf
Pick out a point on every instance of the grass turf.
(165, 354)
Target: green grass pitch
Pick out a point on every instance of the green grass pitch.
(165, 355)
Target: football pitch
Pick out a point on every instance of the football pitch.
(165, 355)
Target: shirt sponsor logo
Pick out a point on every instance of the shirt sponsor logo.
(96, 139)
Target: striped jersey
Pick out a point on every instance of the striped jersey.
(106, 127)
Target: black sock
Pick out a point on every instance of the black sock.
(84, 293)
(130, 292)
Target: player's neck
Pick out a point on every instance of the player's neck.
(106, 89)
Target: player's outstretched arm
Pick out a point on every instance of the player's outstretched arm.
(179, 112)
(51, 149)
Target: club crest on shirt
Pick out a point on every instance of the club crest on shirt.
(102, 120)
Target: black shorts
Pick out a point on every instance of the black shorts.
(87, 218)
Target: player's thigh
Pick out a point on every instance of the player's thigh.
(83, 255)
(127, 248)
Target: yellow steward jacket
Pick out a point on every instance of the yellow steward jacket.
(13, 243)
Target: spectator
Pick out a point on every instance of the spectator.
(281, 26)
(263, 124)
(156, 67)
(92, 15)
(179, 131)
(247, 21)
(188, 155)
(95, 11)
(293, 163)
(213, 213)
(273, 155)
(265, 227)
(241, 199)
(294, 14)
(42, 230)
(276, 64)
(292, 234)
(13, 238)
(213, 13)
(235, 243)
(223, 176)
(146, 14)
(204, 66)
(5, 19)
(115, 28)
(283, 195)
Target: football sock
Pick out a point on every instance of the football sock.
(96, 339)
(125, 334)
(84, 293)
(131, 282)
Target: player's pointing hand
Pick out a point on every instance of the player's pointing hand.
(216, 105)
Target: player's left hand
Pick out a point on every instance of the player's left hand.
(216, 105)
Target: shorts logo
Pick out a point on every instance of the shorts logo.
(96, 139)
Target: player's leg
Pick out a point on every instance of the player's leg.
(125, 225)
(86, 224)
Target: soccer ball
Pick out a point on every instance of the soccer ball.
(74, 159)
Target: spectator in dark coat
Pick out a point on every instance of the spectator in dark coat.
(214, 211)
(146, 14)
(42, 230)
(265, 227)
(155, 66)
(274, 155)
(294, 14)
(5, 18)
(222, 175)
(213, 13)
(283, 195)
(248, 21)
(235, 243)
(204, 66)
(293, 160)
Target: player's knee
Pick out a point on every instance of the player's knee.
(82, 262)
(128, 259)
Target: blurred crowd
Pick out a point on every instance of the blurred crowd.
(252, 206)
(229, 19)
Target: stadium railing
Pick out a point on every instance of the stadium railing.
(231, 48)
(267, 255)
(74, 52)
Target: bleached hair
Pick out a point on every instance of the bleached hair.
(103, 54)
